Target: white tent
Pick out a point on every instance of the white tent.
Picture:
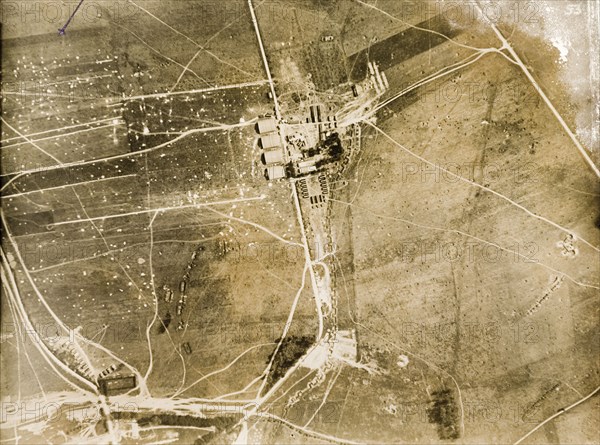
(273, 157)
(270, 141)
(275, 172)
(267, 125)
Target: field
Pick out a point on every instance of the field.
(106, 215)
(472, 239)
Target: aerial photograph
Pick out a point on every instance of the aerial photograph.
(300, 222)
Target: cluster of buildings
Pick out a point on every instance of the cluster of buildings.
(106, 372)
(376, 80)
(110, 382)
(270, 142)
(309, 146)
(182, 302)
(308, 158)
(168, 294)
(324, 122)
(65, 348)
(179, 307)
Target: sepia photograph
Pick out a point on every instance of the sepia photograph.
(300, 222)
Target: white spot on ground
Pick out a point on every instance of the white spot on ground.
(402, 361)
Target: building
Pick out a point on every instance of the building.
(307, 169)
(273, 157)
(308, 163)
(268, 125)
(110, 386)
(270, 141)
(275, 172)
(315, 113)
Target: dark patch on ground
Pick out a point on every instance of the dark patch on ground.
(174, 420)
(401, 47)
(291, 349)
(42, 39)
(164, 325)
(30, 223)
(444, 413)
(325, 62)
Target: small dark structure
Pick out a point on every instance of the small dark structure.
(186, 347)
